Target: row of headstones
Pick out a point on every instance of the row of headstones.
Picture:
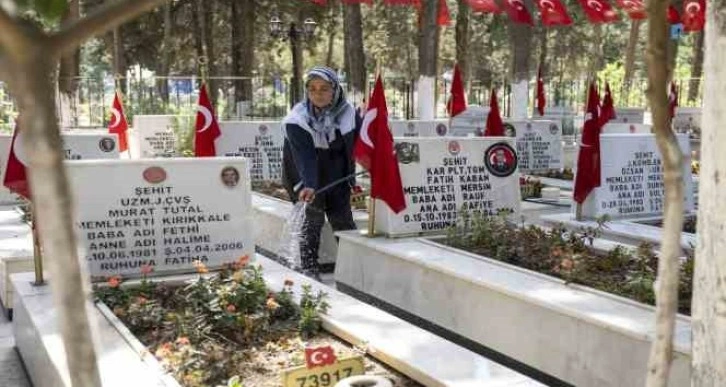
(170, 212)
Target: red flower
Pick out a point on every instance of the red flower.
(114, 281)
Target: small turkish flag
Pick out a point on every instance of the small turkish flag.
(457, 99)
(553, 13)
(495, 127)
(374, 150)
(320, 356)
(694, 15)
(118, 123)
(634, 8)
(598, 11)
(206, 127)
(517, 11)
(16, 179)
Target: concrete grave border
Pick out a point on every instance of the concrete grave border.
(569, 334)
(124, 361)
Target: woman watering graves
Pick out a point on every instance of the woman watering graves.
(319, 136)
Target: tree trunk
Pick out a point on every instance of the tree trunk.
(28, 62)
(243, 32)
(630, 52)
(709, 282)
(666, 291)
(354, 53)
(120, 66)
(543, 52)
(697, 68)
(205, 10)
(521, 38)
(162, 85)
(296, 42)
(427, 54)
(462, 39)
(596, 55)
(69, 72)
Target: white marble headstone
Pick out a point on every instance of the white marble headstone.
(628, 116)
(564, 115)
(156, 135)
(259, 141)
(470, 122)
(539, 145)
(442, 176)
(687, 120)
(79, 145)
(166, 213)
(617, 127)
(419, 128)
(632, 177)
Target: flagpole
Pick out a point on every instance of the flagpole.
(578, 207)
(37, 256)
(371, 199)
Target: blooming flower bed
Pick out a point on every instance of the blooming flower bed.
(215, 327)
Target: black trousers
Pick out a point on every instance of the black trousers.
(335, 204)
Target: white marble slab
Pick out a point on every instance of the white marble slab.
(442, 176)
(631, 182)
(166, 213)
(39, 343)
(271, 215)
(581, 336)
(629, 115)
(259, 141)
(16, 251)
(539, 145)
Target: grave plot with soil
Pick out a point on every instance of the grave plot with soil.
(569, 256)
(229, 325)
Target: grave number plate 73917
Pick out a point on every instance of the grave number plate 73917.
(326, 376)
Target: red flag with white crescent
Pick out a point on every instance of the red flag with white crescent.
(553, 13)
(374, 150)
(118, 123)
(16, 179)
(598, 11)
(320, 356)
(206, 127)
(694, 15)
(517, 11)
(634, 8)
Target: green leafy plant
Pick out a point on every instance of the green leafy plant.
(201, 330)
(568, 255)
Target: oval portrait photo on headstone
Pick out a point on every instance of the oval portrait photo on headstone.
(262, 129)
(554, 129)
(407, 152)
(500, 159)
(107, 144)
(441, 129)
(154, 175)
(454, 148)
(230, 176)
